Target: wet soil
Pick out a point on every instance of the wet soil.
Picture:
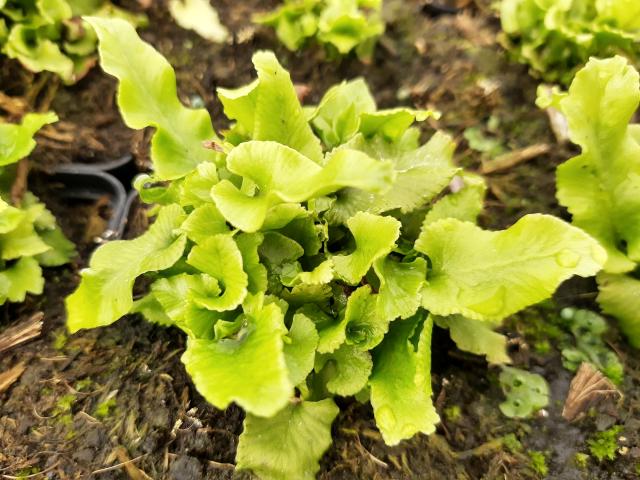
(98, 399)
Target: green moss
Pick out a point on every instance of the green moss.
(26, 472)
(60, 339)
(538, 462)
(104, 409)
(453, 413)
(581, 460)
(83, 385)
(512, 443)
(603, 445)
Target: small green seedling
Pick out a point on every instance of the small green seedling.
(526, 392)
(604, 445)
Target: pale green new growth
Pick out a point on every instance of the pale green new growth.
(526, 392)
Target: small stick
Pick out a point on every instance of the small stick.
(117, 466)
(23, 332)
(7, 378)
(511, 159)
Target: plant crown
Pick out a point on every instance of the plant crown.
(308, 253)
(557, 37)
(29, 235)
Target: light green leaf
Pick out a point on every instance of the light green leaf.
(199, 16)
(248, 244)
(464, 204)
(375, 237)
(24, 276)
(346, 370)
(599, 187)
(526, 392)
(393, 123)
(300, 348)
(337, 117)
(476, 337)
(175, 295)
(204, 222)
(16, 140)
(489, 275)
(284, 175)
(104, 293)
(363, 323)
(37, 53)
(400, 286)
(260, 382)
(60, 249)
(269, 109)
(219, 257)
(620, 296)
(147, 97)
(288, 445)
(401, 381)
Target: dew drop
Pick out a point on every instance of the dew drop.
(567, 258)
(385, 417)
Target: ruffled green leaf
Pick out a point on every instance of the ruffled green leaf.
(345, 371)
(364, 325)
(269, 109)
(60, 249)
(374, 236)
(260, 383)
(476, 337)
(24, 276)
(465, 203)
(393, 123)
(248, 244)
(489, 275)
(204, 222)
(300, 348)
(620, 296)
(16, 140)
(176, 297)
(288, 445)
(337, 117)
(599, 186)
(220, 258)
(284, 175)
(147, 97)
(401, 381)
(400, 286)
(104, 293)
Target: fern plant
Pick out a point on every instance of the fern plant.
(307, 253)
(29, 235)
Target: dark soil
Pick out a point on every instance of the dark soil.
(100, 398)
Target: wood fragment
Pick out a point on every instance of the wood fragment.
(19, 186)
(132, 471)
(8, 377)
(21, 333)
(589, 388)
(511, 159)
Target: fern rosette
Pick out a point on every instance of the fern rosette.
(308, 254)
